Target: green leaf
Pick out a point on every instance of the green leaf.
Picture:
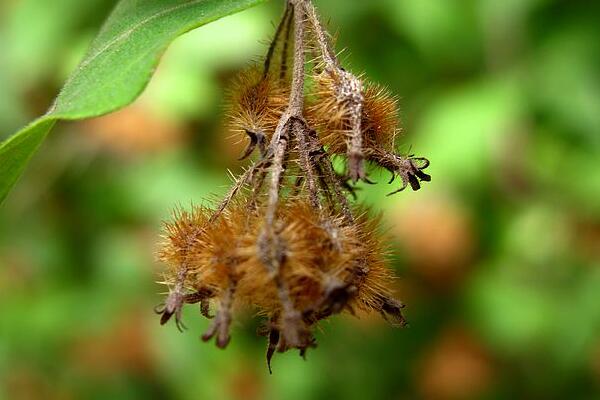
(116, 69)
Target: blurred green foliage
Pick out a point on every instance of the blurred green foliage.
(115, 70)
(498, 258)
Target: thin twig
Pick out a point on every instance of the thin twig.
(330, 177)
(301, 135)
(329, 57)
(286, 45)
(271, 51)
(240, 183)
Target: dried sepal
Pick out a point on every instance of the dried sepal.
(409, 169)
(391, 310)
(273, 341)
(175, 301)
(219, 327)
(172, 307)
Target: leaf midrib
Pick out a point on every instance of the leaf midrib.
(122, 36)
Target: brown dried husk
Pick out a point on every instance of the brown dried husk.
(255, 103)
(320, 250)
(331, 117)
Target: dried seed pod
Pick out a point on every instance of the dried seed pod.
(256, 102)
(372, 277)
(380, 118)
(307, 253)
(290, 246)
(379, 129)
(180, 241)
(329, 114)
(202, 259)
(181, 237)
(352, 259)
(216, 260)
(325, 254)
(218, 264)
(337, 114)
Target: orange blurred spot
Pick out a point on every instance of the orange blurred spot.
(122, 348)
(588, 239)
(133, 130)
(26, 383)
(456, 367)
(438, 239)
(245, 383)
(18, 273)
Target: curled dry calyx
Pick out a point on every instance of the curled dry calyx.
(285, 241)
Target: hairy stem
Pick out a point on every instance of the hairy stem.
(272, 248)
(329, 58)
(333, 182)
(297, 96)
(301, 133)
(349, 94)
(279, 142)
(285, 50)
(285, 20)
(246, 177)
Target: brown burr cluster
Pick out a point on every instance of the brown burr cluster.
(285, 241)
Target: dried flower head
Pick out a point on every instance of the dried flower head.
(330, 115)
(180, 239)
(380, 119)
(285, 241)
(328, 265)
(255, 104)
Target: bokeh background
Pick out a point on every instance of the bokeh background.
(498, 258)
